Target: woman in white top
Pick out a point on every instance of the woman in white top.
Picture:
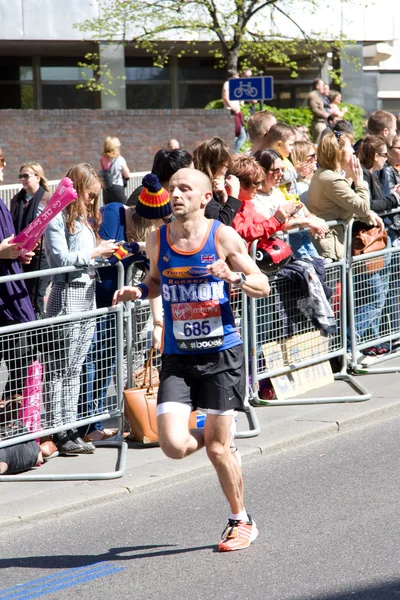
(72, 239)
(113, 171)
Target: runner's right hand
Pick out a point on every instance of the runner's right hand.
(127, 293)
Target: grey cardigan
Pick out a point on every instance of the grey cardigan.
(64, 249)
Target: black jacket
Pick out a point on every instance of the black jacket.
(379, 202)
(223, 212)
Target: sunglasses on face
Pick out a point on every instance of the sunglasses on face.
(92, 195)
(26, 175)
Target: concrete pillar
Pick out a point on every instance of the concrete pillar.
(113, 55)
(353, 75)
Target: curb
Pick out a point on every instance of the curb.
(325, 430)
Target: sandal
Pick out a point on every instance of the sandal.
(69, 447)
(74, 436)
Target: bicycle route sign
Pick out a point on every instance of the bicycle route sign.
(251, 88)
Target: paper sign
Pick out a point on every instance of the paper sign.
(303, 380)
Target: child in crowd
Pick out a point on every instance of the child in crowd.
(303, 157)
(281, 138)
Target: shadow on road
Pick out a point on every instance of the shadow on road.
(69, 561)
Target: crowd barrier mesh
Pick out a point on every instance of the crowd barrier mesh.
(373, 336)
(62, 373)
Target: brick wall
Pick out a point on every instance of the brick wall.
(58, 139)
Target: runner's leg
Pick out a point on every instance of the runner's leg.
(217, 437)
(175, 437)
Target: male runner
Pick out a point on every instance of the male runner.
(192, 262)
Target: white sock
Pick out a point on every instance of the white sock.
(242, 516)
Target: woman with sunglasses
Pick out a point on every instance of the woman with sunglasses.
(269, 198)
(392, 166)
(249, 222)
(15, 307)
(131, 224)
(30, 201)
(72, 238)
(373, 154)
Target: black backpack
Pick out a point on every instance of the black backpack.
(106, 176)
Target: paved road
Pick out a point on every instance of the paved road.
(328, 515)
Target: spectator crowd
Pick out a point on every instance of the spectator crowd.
(288, 179)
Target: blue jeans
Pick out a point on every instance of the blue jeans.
(302, 246)
(370, 292)
(97, 372)
(240, 139)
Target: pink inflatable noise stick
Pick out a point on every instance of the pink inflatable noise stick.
(29, 412)
(64, 195)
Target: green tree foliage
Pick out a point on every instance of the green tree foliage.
(303, 116)
(240, 33)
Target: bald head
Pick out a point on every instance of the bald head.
(173, 144)
(197, 179)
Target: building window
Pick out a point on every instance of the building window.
(147, 86)
(16, 83)
(199, 82)
(59, 77)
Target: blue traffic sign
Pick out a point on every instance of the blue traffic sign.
(251, 88)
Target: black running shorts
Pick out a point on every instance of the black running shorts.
(216, 381)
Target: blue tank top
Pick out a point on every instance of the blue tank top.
(197, 314)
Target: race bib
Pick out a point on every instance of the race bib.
(198, 325)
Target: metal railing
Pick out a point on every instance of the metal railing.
(7, 192)
(284, 341)
(373, 308)
(66, 396)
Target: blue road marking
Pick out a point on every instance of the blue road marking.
(59, 581)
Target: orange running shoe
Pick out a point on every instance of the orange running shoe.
(238, 535)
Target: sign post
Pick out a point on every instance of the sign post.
(251, 88)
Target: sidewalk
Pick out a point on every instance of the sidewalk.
(282, 428)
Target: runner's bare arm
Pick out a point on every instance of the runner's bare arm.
(235, 260)
(151, 280)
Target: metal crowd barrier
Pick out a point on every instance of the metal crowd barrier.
(7, 192)
(283, 341)
(39, 407)
(373, 307)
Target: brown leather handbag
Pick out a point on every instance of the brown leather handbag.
(140, 407)
(370, 239)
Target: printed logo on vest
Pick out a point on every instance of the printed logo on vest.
(186, 272)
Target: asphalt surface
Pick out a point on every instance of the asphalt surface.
(327, 514)
(283, 427)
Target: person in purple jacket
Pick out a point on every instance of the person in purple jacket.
(15, 304)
